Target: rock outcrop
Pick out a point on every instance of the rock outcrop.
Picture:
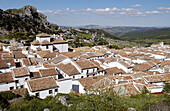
(25, 19)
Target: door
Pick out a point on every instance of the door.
(75, 88)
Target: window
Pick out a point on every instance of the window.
(93, 70)
(16, 81)
(46, 46)
(87, 75)
(81, 76)
(22, 86)
(37, 94)
(73, 77)
(81, 71)
(50, 91)
(26, 78)
(11, 88)
(56, 90)
(87, 71)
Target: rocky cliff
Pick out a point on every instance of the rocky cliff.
(25, 19)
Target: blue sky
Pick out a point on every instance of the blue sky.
(99, 12)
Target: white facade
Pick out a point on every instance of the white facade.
(40, 39)
(62, 47)
(5, 70)
(7, 86)
(47, 47)
(20, 81)
(65, 86)
(42, 93)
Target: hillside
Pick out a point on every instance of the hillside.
(149, 36)
(26, 22)
(25, 19)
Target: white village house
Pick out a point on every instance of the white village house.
(42, 87)
(43, 42)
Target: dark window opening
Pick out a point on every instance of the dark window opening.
(56, 90)
(16, 81)
(50, 91)
(17, 64)
(81, 76)
(37, 94)
(11, 88)
(46, 46)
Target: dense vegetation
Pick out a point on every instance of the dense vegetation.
(105, 101)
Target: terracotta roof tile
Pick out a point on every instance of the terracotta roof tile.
(3, 63)
(58, 41)
(68, 69)
(85, 64)
(35, 75)
(158, 78)
(35, 42)
(70, 54)
(7, 55)
(42, 84)
(48, 72)
(114, 70)
(26, 62)
(6, 77)
(18, 55)
(89, 81)
(21, 71)
(43, 35)
(46, 54)
(58, 59)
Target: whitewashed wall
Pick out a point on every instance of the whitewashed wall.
(65, 86)
(6, 86)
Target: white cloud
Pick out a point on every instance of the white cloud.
(167, 11)
(67, 9)
(130, 10)
(109, 11)
(164, 8)
(133, 13)
(50, 11)
(137, 5)
(153, 12)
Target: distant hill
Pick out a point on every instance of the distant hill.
(144, 35)
(93, 27)
(149, 35)
(117, 30)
